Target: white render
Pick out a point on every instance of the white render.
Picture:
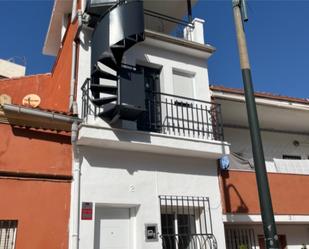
(275, 144)
(155, 53)
(128, 169)
(255, 218)
(135, 180)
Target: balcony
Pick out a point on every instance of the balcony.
(168, 114)
(171, 125)
(160, 17)
(186, 29)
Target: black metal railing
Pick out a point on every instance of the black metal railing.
(169, 25)
(8, 233)
(176, 115)
(88, 109)
(170, 114)
(240, 237)
(186, 223)
(192, 241)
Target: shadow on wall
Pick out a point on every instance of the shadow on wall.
(127, 137)
(227, 190)
(62, 138)
(133, 162)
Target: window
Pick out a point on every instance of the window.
(291, 157)
(8, 234)
(239, 237)
(183, 84)
(186, 222)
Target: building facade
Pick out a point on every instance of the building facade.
(283, 122)
(150, 138)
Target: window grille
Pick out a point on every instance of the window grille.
(8, 234)
(186, 223)
(240, 237)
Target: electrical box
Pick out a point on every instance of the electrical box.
(151, 232)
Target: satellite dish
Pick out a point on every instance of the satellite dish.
(31, 100)
(5, 99)
(224, 162)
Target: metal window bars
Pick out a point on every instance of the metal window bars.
(8, 233)
(186, 223)
(240, 237)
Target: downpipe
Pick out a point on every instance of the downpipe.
(73, 66)
(76, 167)
(75, 199)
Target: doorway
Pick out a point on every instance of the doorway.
(112, 228)
(150, 120)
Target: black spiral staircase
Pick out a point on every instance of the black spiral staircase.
(115, 87)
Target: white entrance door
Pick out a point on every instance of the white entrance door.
(114, 228)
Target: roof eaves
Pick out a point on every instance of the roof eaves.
(265, 95)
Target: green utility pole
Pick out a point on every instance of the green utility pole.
(269, 226)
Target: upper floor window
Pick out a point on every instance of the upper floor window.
(183, 83)
(8, 233)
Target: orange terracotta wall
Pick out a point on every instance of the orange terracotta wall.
(289, 192)
(59, 90)
(53, 88)
(34, 151)
(42, 211)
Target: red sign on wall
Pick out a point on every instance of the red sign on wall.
(86, 211)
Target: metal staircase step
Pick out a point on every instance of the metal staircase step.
(104, 100)
(108, 113)
(101, 74)
(104, 89)
(108, 60)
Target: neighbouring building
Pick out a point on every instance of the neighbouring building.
(9, 69)
(36, 155)
(285, 135)
(150, 136)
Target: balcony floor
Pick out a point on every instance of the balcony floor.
(151, 142)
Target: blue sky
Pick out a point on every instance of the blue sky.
(277, 34)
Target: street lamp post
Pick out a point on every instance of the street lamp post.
(269, 226)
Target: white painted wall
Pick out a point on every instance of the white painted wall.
(275, 144)
(136, 179)
(143, 54)
(131, 179)
(170, 60)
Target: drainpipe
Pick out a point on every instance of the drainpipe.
(72, 82)
(76, 172)
(73, 67)
(75, 199)
(76, 169)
